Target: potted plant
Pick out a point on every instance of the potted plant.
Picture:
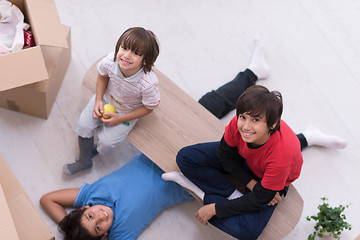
(329, 220)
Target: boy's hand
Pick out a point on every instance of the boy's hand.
(113, 120)
(275, 200)
(98, 109)
(205, 213)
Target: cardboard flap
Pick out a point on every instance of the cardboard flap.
(22, 68)
(28, 221)
(7, 227)
(45, 23)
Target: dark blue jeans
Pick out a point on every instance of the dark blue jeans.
(199, 164)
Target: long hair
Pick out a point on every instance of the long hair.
(71, 227)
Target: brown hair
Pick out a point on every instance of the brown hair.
(70, 225)
(142, 41)
(258, 100)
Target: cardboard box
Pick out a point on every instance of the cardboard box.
(27, 220)
(30, 79)
(7, 227)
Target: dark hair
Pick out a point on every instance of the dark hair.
(139, 40)
(258, 100)
(71, 227)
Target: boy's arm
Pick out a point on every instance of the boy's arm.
(258, 199)
(54, 203)
(253, 201)
(228, 158)
(150, 98)
(101, 85)
(116, 119)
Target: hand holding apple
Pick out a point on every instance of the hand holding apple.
(108, 108)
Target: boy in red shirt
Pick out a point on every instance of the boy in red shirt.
(258, 149)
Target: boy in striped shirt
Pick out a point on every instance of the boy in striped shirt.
(126, 81)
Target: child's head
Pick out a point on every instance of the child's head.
(258, 101)
(86, 223)
(141, 41)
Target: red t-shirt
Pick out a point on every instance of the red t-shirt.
(278, 162)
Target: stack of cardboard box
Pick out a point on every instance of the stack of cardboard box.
(31, 78)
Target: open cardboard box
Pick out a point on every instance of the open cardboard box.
(26, 218)
(31, 78)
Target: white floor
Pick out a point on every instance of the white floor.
(313, 51)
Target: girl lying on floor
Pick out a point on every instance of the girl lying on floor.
(119, 205)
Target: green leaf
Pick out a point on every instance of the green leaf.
(329, 219)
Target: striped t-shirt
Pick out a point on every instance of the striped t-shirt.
(134, 91)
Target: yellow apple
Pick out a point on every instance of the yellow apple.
(108, 108)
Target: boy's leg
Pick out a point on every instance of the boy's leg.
(87, 124)
(181, 180)
(314, 137)
(110, 137)
(302, 140)
(223, 100)
(258, 64)
(85, 130)
(87, 152)
(198, 163)
(245, 226)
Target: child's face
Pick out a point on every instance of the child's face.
(97, 219)
(129, 62)
(253, 130)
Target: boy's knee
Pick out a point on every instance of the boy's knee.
(84, 131)
(81, 126)
(248, 233)
(108, 141)
(84, 128)
(182, 158)
(104, 146)
(242, 227)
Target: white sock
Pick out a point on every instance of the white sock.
(235, 194)
(180, 179)
(315, 137)
(258, 63)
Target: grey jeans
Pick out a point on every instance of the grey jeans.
(108, 137)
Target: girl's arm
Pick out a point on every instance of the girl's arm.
(101, 85)
(54, 203)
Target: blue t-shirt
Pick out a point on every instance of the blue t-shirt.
(136, 193)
